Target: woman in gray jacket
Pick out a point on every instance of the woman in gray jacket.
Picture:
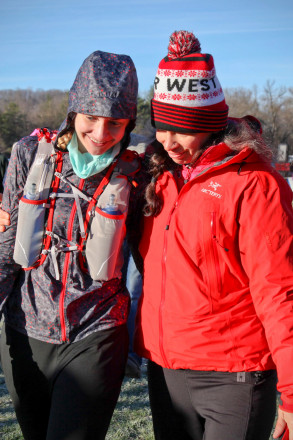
(64, 341)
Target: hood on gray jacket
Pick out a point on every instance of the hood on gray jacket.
(106, 85)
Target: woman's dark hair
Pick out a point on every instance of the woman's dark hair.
(125, 141)
(159, 162)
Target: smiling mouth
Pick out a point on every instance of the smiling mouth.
(174, 154)
(95, 141)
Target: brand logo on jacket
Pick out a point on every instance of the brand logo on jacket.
(215, 186)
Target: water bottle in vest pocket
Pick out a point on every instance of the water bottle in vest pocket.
(107, 231)
(32, 207)
(29, 238)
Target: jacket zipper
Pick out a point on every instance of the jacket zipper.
(164, 257)
(215, 250)
(65, 270)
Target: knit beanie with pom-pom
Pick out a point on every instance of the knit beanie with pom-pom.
(188, 97)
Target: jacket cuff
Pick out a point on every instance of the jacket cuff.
(286, 404)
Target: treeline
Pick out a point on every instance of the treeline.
(21, 111)
(273, 106)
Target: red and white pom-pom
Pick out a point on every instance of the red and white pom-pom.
(182, 43)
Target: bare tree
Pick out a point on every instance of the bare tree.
(242, 102)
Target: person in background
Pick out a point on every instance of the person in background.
(64, 343)
(130, 271)
(3, 166)
(215, 316)
(133, 281)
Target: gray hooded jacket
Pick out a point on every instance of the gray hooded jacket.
(33, 301)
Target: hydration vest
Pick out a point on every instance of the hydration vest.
(101, 231)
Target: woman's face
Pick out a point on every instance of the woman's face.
(97, 134)
(182, 148)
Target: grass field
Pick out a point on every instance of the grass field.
(131, 419)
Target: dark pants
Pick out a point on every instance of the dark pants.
(210, 405)
(66, 391)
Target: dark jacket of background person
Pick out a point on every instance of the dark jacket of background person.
(3, 166)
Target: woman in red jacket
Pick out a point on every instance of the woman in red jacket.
(215, 318)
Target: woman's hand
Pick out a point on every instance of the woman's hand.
(4, 218)
(284, 418)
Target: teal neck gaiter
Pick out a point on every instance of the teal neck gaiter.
(85, 164)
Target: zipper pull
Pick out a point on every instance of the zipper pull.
(171, 212)
(217, 241)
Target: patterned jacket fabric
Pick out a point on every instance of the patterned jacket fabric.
(34, 301)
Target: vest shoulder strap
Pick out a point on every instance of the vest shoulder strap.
(128, 164)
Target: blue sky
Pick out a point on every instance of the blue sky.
(43, 43)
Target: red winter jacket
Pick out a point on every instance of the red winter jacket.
(218, 274)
